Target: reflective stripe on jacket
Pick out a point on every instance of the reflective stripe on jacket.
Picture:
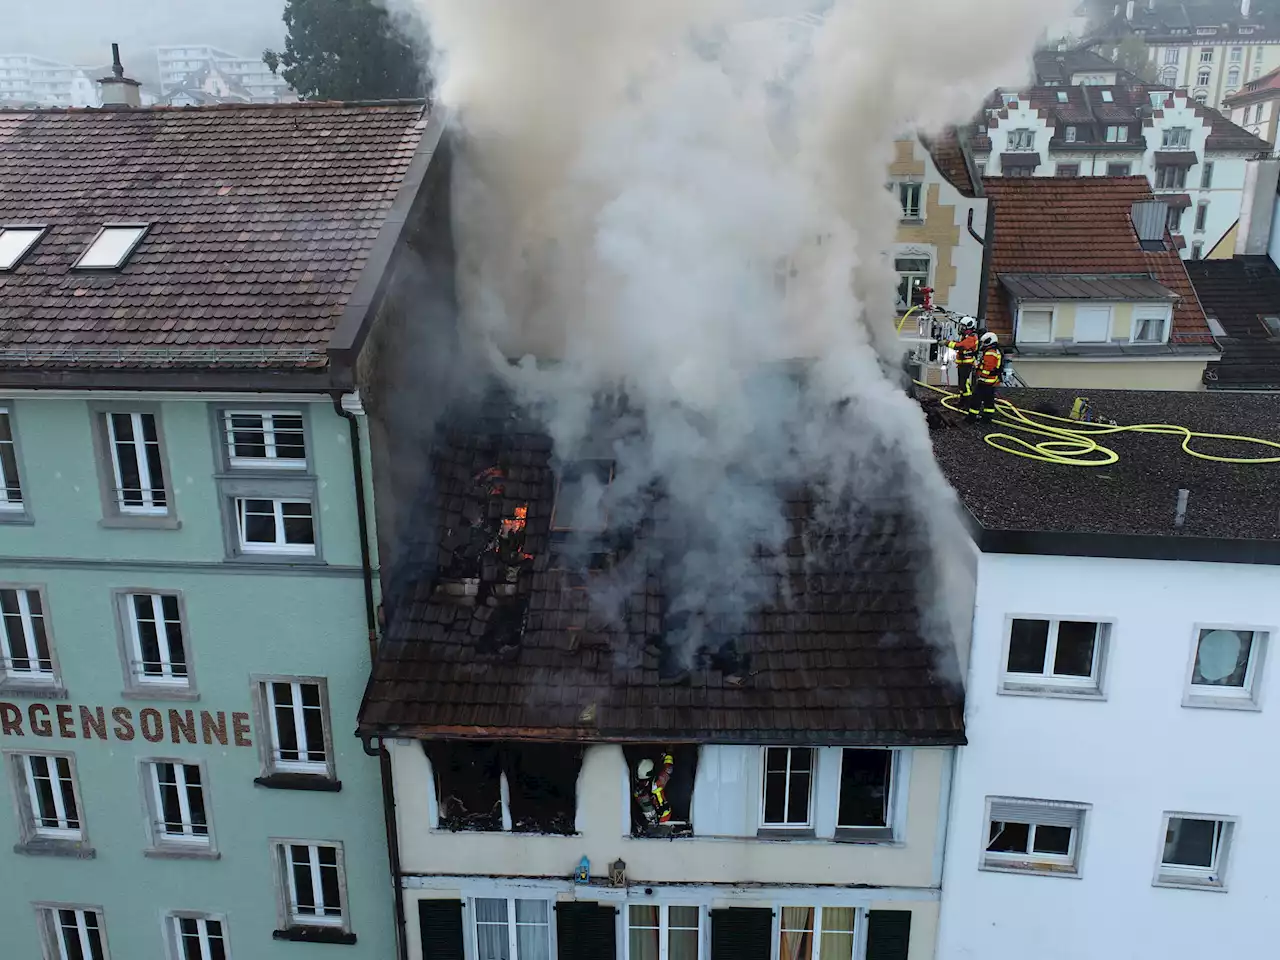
(966, 348)
(988, 369)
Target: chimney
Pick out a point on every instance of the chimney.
(1245, 5)
(117, 89)
(1128, 9)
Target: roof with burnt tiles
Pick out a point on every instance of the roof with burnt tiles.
(836, 657)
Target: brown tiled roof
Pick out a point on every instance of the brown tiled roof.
(1266, 87)
(262, 219)
(949, 158)
(835, 656)
(1225, 135)
(1081, 225)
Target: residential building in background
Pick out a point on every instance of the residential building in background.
(1208, 49)
(1256, 108)
(25, 79)
(586, 784)
(1087, 286)
(1122, 630)
(188, 576)
(944, 213)
(1206, 168)
(198, 65)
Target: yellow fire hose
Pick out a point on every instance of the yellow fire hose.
(1074, 446)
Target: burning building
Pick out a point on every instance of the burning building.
(728, 786)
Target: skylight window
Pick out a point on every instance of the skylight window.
(16, 243)
(1107, 97)
(1062, 96)
(112, 247)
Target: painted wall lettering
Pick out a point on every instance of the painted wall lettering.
(74, 721)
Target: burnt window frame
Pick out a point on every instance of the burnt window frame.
(681, 754)
(612, 468)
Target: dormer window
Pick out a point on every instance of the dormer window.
(1070, 135)
(113, 246)
(16, 243)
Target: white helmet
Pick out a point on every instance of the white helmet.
(968, 323)
(988, 339)
(644, 769)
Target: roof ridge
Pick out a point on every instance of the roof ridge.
(229, 107)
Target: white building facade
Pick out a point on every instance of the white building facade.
(1200, 171)
(28, 79)
(1114, 800)
(737, 886)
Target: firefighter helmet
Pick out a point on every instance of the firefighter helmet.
(968, 323)
(644, 769)
(988, 339)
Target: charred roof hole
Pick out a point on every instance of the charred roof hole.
(520, 788)
(694, 640)
(484, 550)
(580, 519)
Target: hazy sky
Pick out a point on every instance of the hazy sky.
(81, 31)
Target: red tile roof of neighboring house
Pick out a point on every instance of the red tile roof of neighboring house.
(1266, 87)
(262, 220)
(1081, 226)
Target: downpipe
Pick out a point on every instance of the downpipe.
(371, 622)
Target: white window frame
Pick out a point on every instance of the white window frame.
(1069, 134)
(282, 851)
(148, 488)
(11, 497)
(173, 933)
(1051, 308)
(796, 826)
(819, 912)
(1176, 138)
(893, 797)
(186, 839)
(1202, 217)
(1237, 54)
(1206, 173)
(9, 677)
(51, 930)
(137, 678)
(279, 546)
(1246, 697)
(265, 696)
(1021, 135)
(1181, 876)
(1206, 53)
(1047, 684)
(1165, 316)
(270, 461)
(1036, 864)
(85, 262)
(1202, 77)
(473, 922)
(21, 765)
(902, 274)
(905, 188)
(36, 234)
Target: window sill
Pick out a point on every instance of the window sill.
(140, 523)
(1061, 693)
(911, 221)
(1176, 883)
(299, 781)
(276, 559)
(314, 935)
(181, 853)
(877, 835)
(1032, 869)
(17, 518)
(161, 694)
(1197, 702)
(35, 690)
(41, 847)
(770, 833)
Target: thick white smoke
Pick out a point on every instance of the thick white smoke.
(671, 196)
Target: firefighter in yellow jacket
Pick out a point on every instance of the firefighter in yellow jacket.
(986, 378)
(966, 348)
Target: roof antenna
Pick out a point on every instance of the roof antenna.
(117, 67)
(1181, 516)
